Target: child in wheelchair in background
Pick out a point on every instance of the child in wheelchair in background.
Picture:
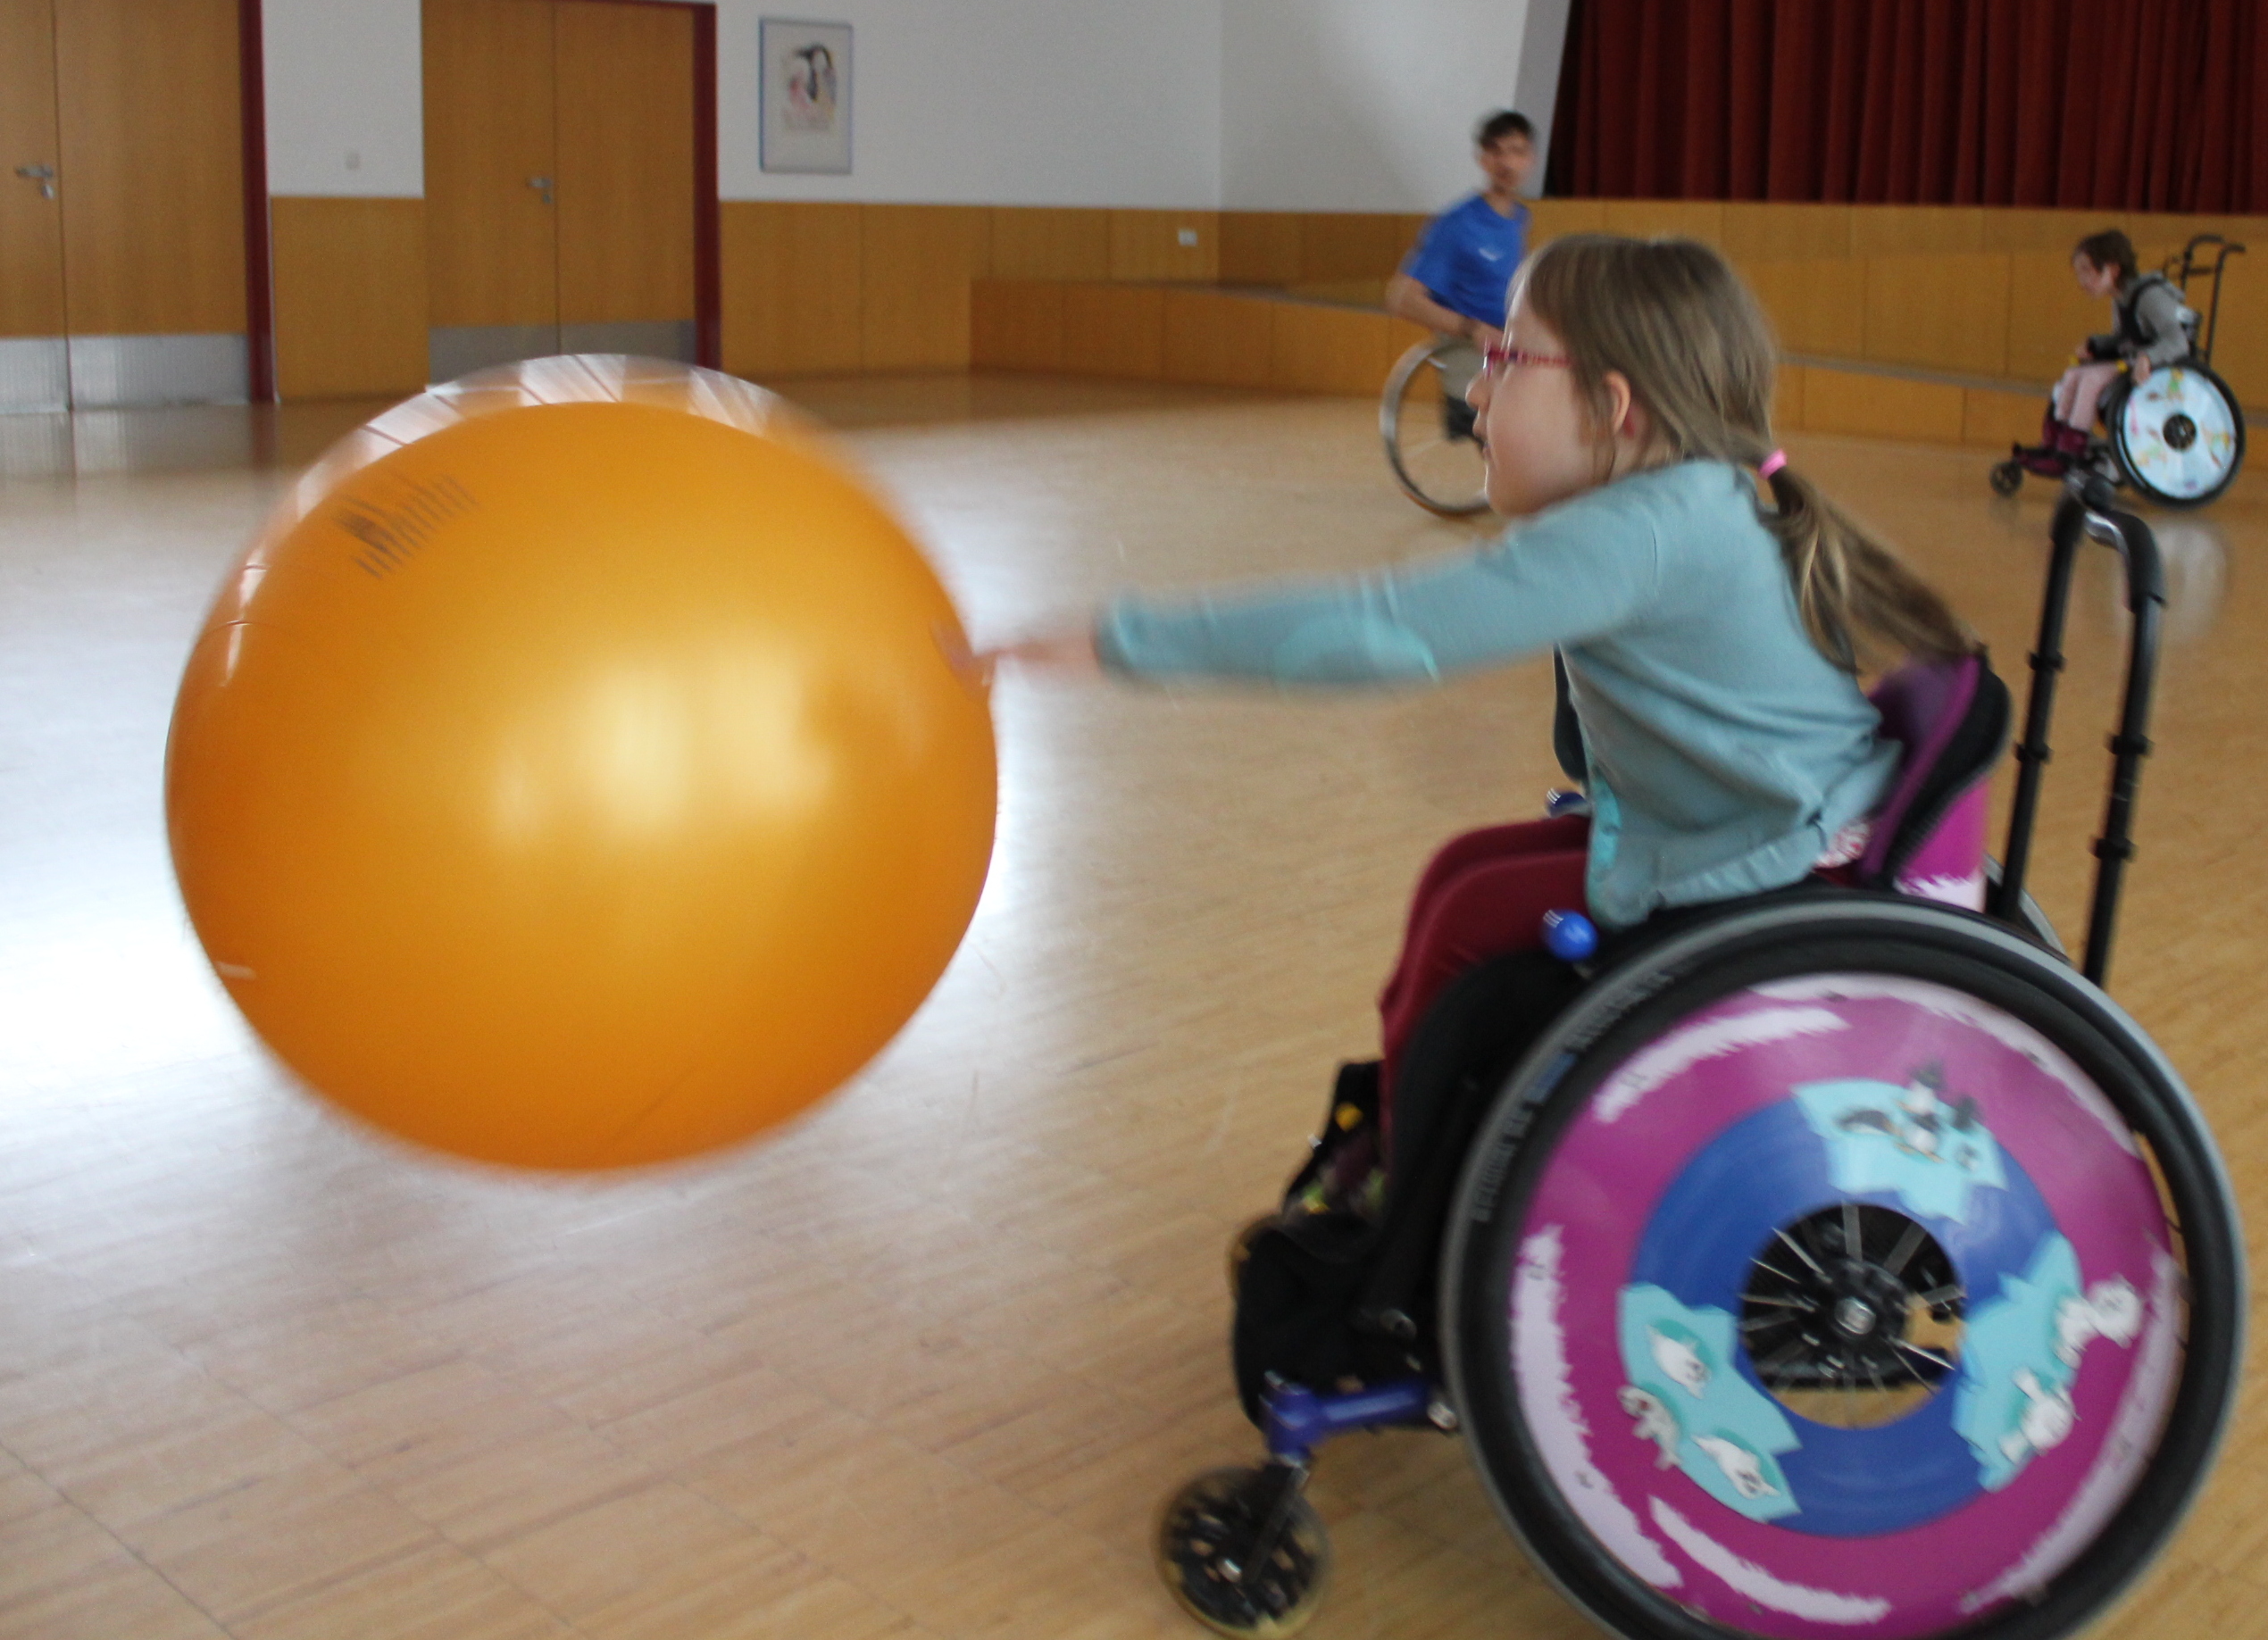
(2154, 329)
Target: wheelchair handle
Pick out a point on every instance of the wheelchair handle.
(2085, 513)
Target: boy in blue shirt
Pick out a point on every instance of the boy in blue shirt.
(1455, 281)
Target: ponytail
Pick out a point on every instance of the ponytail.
(1850, 587)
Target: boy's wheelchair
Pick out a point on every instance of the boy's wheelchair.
(2177, 439)
(1839, 1260)
(1429, 432)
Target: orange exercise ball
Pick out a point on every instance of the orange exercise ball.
(573, 775)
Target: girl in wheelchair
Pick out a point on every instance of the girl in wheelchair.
(1746, 1364)
(1712, 610)
(2154, 328)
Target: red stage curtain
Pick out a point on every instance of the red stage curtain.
(2108, 104)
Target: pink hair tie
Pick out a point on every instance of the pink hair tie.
(1773, 463)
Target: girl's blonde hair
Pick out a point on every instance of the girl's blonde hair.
(1677, 322)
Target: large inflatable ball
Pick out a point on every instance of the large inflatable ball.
(576, 772)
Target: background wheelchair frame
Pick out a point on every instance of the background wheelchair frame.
(1430, 446)
(1245, 1553)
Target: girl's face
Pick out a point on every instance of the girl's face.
(1540, 441)
(2097, 282)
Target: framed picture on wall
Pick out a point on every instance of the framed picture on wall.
(806, 96)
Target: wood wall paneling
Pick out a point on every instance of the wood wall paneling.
(1649, 219)
(2240, 354)
(153, 166)
(1318, 349)
(1216, 339)
(1947, 312)
(1816, 307)
(625, 162)
(914, 268)
(1147, 245)
(490, 237)
(1115, 331)
(31, 227)
(1259, 247)
(1554, 217)
(1016, 324)
(350, 296)
(1041, 242)
(1903, 230)
(1354, 245)
(1787, 398)
(1882, 406)
(792, 287)
(1756, 232)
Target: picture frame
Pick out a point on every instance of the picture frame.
(804, 97)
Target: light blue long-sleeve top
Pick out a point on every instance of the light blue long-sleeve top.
(1725, 751)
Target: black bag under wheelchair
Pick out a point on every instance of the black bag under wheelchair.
(1841, 1260)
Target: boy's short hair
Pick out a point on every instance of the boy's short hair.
(2108, 249)
(1500, 125)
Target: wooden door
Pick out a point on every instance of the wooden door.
(149, 115)
(626, 178)
(491, 181)
(33, 368)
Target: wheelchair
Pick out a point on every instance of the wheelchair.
(2178, 439)
(1429, 433)
(1842, 1260)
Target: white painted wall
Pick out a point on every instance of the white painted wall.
(346, 90)
(981, 102)
(1185, 105)
(1000, 101)
(1355, 105)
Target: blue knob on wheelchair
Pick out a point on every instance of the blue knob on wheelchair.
(1570, 936)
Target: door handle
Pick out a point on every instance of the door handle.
(44, 175)
(544, 183)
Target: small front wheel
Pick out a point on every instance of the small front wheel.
(1243, 1551)
(2007, 479)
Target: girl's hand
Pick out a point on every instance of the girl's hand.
(2141, 368)
(1068, 654)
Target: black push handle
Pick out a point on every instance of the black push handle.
(2086, 512)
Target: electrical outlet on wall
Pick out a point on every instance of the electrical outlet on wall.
(1186, 237)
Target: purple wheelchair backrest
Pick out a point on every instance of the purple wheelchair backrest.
(1922, 704)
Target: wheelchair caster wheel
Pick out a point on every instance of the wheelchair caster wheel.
(1243, 1551)
(2007, 479)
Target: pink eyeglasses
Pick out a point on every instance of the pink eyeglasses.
(1495, 360)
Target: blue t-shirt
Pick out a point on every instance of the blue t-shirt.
(1468, 255)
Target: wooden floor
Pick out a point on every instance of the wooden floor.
(927, 1363)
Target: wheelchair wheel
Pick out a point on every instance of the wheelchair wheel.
(1428, 436)
(1846, 1265)
(2180, 436)
(1244, 1553)
(2007, 478)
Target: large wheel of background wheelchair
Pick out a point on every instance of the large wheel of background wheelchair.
(2178, 436)
(1844, 1265)
(1429, 437)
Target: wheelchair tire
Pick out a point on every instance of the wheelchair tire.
(2178, 436)
(1828, 1444)
(1438, 467)
(2007, 478)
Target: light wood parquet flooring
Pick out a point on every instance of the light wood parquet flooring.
(926, 1364)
